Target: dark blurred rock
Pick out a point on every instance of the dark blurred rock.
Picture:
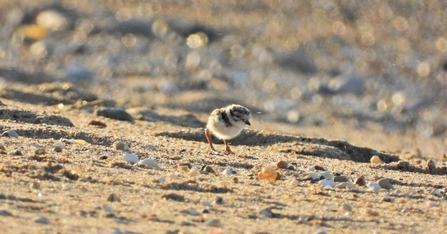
(114, 113)
(298, 61)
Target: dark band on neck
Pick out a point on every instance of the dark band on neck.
(226, 119)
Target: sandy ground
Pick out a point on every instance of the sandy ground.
(71, 188)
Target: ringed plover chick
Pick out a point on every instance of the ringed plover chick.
(226, 123)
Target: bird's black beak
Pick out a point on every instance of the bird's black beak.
(247, 122)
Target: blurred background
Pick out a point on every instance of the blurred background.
(365, 64)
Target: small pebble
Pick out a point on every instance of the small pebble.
(2, 147)
(160, 179)
(114, 113)
(282, 164)
(151, 147)
(10, 133)
(209, 169)
(5, 213)
(385, 183)
(373, 186)
(194, 172)
(360, 181)
(228, 172)
(150, 163)
(218, 200)
(205, 203)
(213, 223)
(443, 221)
(183, 168)
(106, 208)
(113, 198)
(311, 168)
(325, 182)
(268, 173)
(58, 148)
(173, 196)
(39, 151)
(430, 166)
(294, 182)
(343, 185)
(235, 180)
(266, 212)
(431, 204)
(119, 145)
(192, 211)
(132, 158)
(319, 168)
(375, 160)
(347, 207)
(103, 157)
(314, 176)
(34, 186)
(340, 179)
(437, 193)
(371, 212)
(15, 153)
(97, 123)
(42, 220)
(327, 175)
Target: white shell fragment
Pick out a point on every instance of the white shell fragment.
(132, 158)
(329, 183)
(149, 162)
(373, 186)
(327, 175)
(375, 160)
(227, 172)
(314, 176)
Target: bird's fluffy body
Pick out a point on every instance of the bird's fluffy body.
(226, 123)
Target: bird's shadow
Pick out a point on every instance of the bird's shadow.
(319, 147)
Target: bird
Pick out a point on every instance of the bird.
(227, 123)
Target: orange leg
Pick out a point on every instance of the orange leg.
(227, 148)
(208, 137)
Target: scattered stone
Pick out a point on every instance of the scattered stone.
(58, 148)
(282, 164)
(340, 179)
(430, 166)
(52, 20)
(213, 223)
(42, 220)
(39, 151)
(311, 168)
(235, 180)
(387, 198)
(437, 193)
(205, 203)
(109, 211)
(97, 123)
(432, 204)
(114, 113)
(443, 221)
(173, 196)
(218, 200)
(294, 182)
(150, 147)
(360, 181)
(15, 153)
(373, 186)
(228, 172)
(119, 145)
(268, 173)
(208, 169)
(10, 133)
(326, 182)
(343, 185)
(314, 176)
(325, 174)
(2, 147)
(149, 162)
(183, 167)
(320, 232)
(347, 207)
(103, 157)
(132, 158)
(5, 213)
(34, 186)
(375, 160)
(371, 212)
(319, 168)
(192, 211)
(113, 198)
(267, 213)
(385, 183)
(194, 172)
(160, 179)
